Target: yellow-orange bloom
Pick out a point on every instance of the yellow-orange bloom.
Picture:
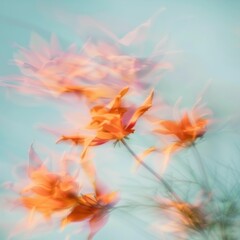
(111, 122)
(49, 192)
(186, 131)
(183, 132)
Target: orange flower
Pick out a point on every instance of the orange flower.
(48, 192)
(184, 132)
(111, 122)
(92, 208)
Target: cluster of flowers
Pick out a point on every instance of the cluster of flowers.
(100, 75)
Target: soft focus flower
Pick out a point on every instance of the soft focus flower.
(97, 72)
(190, 216)
(47, 69)
(183, 217)
(122, 67)
(137, 53)
(111, 122)
(183, 132)
(92, 208)
(49, 193)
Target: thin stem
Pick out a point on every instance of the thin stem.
(200, 164)
(160, 179)
(223, 232)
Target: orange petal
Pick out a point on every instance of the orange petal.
(90, 141)
(109, 198)
(167, 152)
(89, 168)
(75, 139)
(140, 111)
(78, 214)
(117, 100)
(185, 121)
(170, 126)
(144, 154)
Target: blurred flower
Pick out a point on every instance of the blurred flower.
(49, 193)
(191, 216)
(47, 69)
(121, 67)
(186, 131)
(137, 53)
(183, 132)
(94, 209)
(97, 72)
(183, 217)
(111, 122)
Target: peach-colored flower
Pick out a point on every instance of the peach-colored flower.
(47, 69)
(183, 217)
(111, 122)
(48, 192)
(184, 132)
(97, 72)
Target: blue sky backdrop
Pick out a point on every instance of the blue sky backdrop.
(203, 45)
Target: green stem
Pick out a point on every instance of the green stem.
(155, 174)
(201, 166)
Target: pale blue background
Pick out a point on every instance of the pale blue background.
(206, 33)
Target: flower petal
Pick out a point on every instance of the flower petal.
(116, 103)
(140, 111)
